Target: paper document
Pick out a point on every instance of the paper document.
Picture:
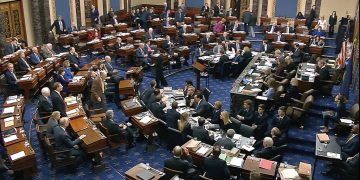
(72, 111)
(247, 148)
(236, 136)
(265, 164)
(145, 119)
(261, 98)
(10, 138)
(17, 155)
(9, 110)
(202, 150)
(238, 162)
(333, 155)
(289, 174)
(347, 121)
(9, 121)
(11, 101)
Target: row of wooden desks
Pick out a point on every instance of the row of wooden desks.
(20, 153)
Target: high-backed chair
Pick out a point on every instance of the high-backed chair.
(171, 173)
(174, 138)
(326, 86)
(109, 138)
(246, 131)
(58, 158)
(206, 93)
(298, 113)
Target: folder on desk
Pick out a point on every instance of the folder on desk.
(9, 121)
(323, 137)
(265, 164)
(234, 151)
(145, 175)
(238, 162)
(193, 144)
(9, 110)
(222, 156)
(289, 174)
(130, 104)
(304, 169)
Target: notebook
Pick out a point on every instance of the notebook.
(145, 175)
(265, 164)
(323, 137)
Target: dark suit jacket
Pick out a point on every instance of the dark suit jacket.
(215, 118)
(58, 103)
(266, 153)
(9, 49)
(35, 59)
(57, 27)
(247, 16)
(324, 74)
(166, 46)
(140, 55)
(64, 82)
(238, 28)
(205, 9)
(298, 56)
(172, 117)
(63, 140)
(226, 142)
(149, 36)
(73, 60)
(45, 107)
(216, 168)
(270, 48)
(23, 65)
(275, 28)
(283, 124)
(291, 29)
(282, 38)
(51, 124)
(203, 109)
(113, 128)
(146, 95)
(261, 122)
(10, 79)
(94, 15)
(332, 20)
(177, 164)
(178, 17)
(206, 41)
(351, 147)
(216, 11)
(117, 46)
(222, 38)
(157, 109)
(246, 56)
(202, 135)
(248, 116)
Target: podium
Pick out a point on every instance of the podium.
(198, 68)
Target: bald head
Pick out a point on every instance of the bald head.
(177, 151)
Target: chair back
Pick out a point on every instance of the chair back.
(174, 138)
(281, 149)
(291, 74)
(279, 91)
(206, 93)
(354, 112)
(277, 158)
(104, 130)
(172, 172)
(246, 131)
(308, 102)
(284, 82)
(306, 94)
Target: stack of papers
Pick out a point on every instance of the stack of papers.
(333, 155)
(346, 121)
(72, 112)
(238, 162)
(193, 144)
(145, 119)
(11, 101)
(17, 155)
(9, 121)
(262, 98)
(9, 110)
(202, 151)
(10, 138)
(247, 148)
(289, 174)
(236, 136)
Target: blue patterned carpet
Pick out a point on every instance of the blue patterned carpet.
(301, 143)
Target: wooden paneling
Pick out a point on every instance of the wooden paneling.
(12, 20)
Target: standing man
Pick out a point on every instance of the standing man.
(98, 99)
(217, 10)
(11, 78)
(45, 106)
(247, 18)
(94, 16)
(57, 99)
(159, 74)
(60, 26)
(312, 16)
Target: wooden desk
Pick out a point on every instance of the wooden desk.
(121, 27)
(289, 37)
(94, 46)
(138, 34)
(47, 65)
(156, 24)
(126, 88)
(169, 30)
(131, 107)
(270, 36)
(279, 45)
(23, 163)
(281, 21)
(183, 51)
(303, 38)
(108, 40)
(239, 35)
(198, 158)
(77, 87)
(131, 174)
(67, 39)
(136, 73)
(82, 35)
(11, 124)
(9, 102)
(190, 39)
(146, 129)
(20, 134)
(158, 42)
(94, 141)
(231, 19)
(209, 46)
(27, 85)
(300, 22)
(282, 167)
(123, 36)
(316, 50)
(202, 19)
(125, 51)
(264, 20)
(305, 69)
(203, 27)
(188, 20)
(252, 164)
(107, 29)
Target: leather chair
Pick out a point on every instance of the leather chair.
(246, 131)
(174, 138)
(325, 87)
(353, 114)
(58, 158)
(206, 93)
(112, 144)
(5, 88)
(171, 173)
(288, 76)
(41, 135)
(299, 112)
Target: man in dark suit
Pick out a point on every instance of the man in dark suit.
(167, 45)
(235, 26)
(165, 15)
(202, 107)
(260, 122)
(201, 133)
(118, 129)
(226, 141)
(159, 73)
(246, 114)
(11, 78)
(118, 43)
(288, 29)
(141, 55)
(219, 67)
(74, 59)
(206, 39)
(214, 167)
(189, 96)
(267, 47)
(272, 28)
(157, 107)
(145, 96)
(179, 16)
(94, 16)
(72, 28)
(97, 97)
(181, 161)
(312, 16)
(60, 26)
(111, 71)
(268, 151)
(152, 98)
(350, 146)
(323, 74)
(279, 37)
(52, 123)
(45, 106)
(114, 20)
(217, 10)
(237, 45)
(205, 9)
(22, 63)
(57, 99)
(215, 118)
(63, 140)
(12, 47)
(172, 116)
(150, 34)
(247, 19)
(230, 13)
(35, 57)
(224, 37)
(298, 54)
(143, 18)
(281, 121)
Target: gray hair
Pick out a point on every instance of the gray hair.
(268, 142)
(63, 121)
(109, 114)
(45, 90)
(230, 133)
(107, 57)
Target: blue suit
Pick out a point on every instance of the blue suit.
(350, 147)
(64, 82)
(35, 58)
(9, 49)
(11, 80)
(140, 55)
(68, 74)
(94, 17)
(179, 17)
(23, 65)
